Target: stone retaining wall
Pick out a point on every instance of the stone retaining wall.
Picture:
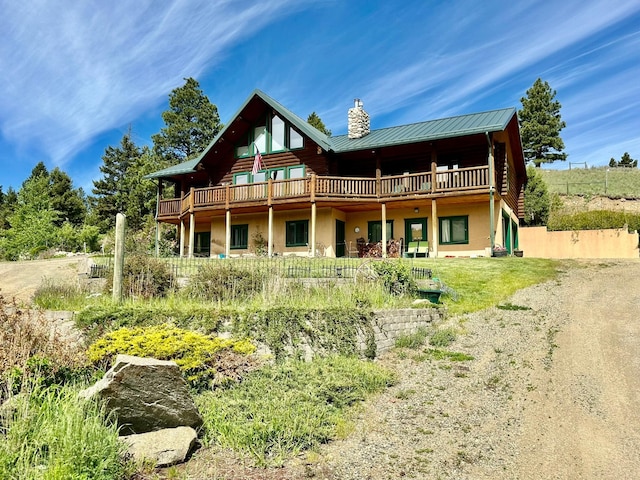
(391, 324)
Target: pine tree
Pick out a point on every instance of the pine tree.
(111, 195)
(315, 121)
(540, 125)
(192, 122)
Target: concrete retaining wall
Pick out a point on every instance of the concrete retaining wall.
(537, 242)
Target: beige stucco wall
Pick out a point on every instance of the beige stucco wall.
(613, 243)
(477, 213)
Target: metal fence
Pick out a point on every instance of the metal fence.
(282, 267)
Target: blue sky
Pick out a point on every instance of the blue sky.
(76, 75)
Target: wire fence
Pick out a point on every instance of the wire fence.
(282, 267)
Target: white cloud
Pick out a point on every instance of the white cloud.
(72, 72)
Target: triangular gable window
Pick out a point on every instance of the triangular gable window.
(270, 136)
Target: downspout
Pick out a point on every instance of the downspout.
(492, 188)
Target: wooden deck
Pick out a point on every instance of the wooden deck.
(324, 188)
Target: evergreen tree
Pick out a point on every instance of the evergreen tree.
(8, 202)
(540, 125)
(110, 191)
(123, 188)
(192, 122)
(69, 202)
(626, 161)
(536, 199)
(314, 120)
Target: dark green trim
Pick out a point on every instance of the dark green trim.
(464, 218)
(297, 233)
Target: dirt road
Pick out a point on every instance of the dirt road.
(584, 421)
(21, 279)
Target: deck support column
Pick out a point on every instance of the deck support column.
(270, 233)
(227, 234)
(384, 230)
(313, 229)
(192, 233)
(492, 189)
(182, 234)
(435, 233)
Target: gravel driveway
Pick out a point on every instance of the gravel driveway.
(552, 392)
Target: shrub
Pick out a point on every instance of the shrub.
(28, 344)
(594, 220)
(144, 277)
(224, 281)
(396, 277)
(196, 354)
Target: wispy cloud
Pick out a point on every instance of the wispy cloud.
(71, 73)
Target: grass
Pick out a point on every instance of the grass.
(279, 411)
(55, 436)
(616, 183)
(473, 284)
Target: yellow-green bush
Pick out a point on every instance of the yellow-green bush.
(205, 360)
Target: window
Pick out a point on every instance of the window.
(241, 178)
(239, 236)
(454, 230)
(277, 134)
(375, 231)
(202, 246)
(269, 135)
(296, 171)
(295, 139)
(297, 233)
(280, 173)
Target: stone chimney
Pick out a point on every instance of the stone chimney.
(358, 121)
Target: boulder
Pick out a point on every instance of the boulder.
(164, 447)
(145, 395)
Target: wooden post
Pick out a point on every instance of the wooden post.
(270, 233)
(434, 170)
(227, 234)
(182, 235)
(378, 174)
(192, 233)
(313, 229)
(435, 228)
(118, 261)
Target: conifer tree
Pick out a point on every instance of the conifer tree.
(540, 125)
(314, 120)
(192, 122)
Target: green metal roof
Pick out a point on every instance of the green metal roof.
(492, 121)
(185, 167)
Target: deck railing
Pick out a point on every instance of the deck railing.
(390, 187)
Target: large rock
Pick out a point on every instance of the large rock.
(164, 447)
(146, 395)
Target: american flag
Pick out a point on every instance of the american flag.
(257, 162)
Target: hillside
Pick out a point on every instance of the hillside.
(608, 182)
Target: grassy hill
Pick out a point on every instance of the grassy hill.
(602, 181)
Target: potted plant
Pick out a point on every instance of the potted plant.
(499, 251)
